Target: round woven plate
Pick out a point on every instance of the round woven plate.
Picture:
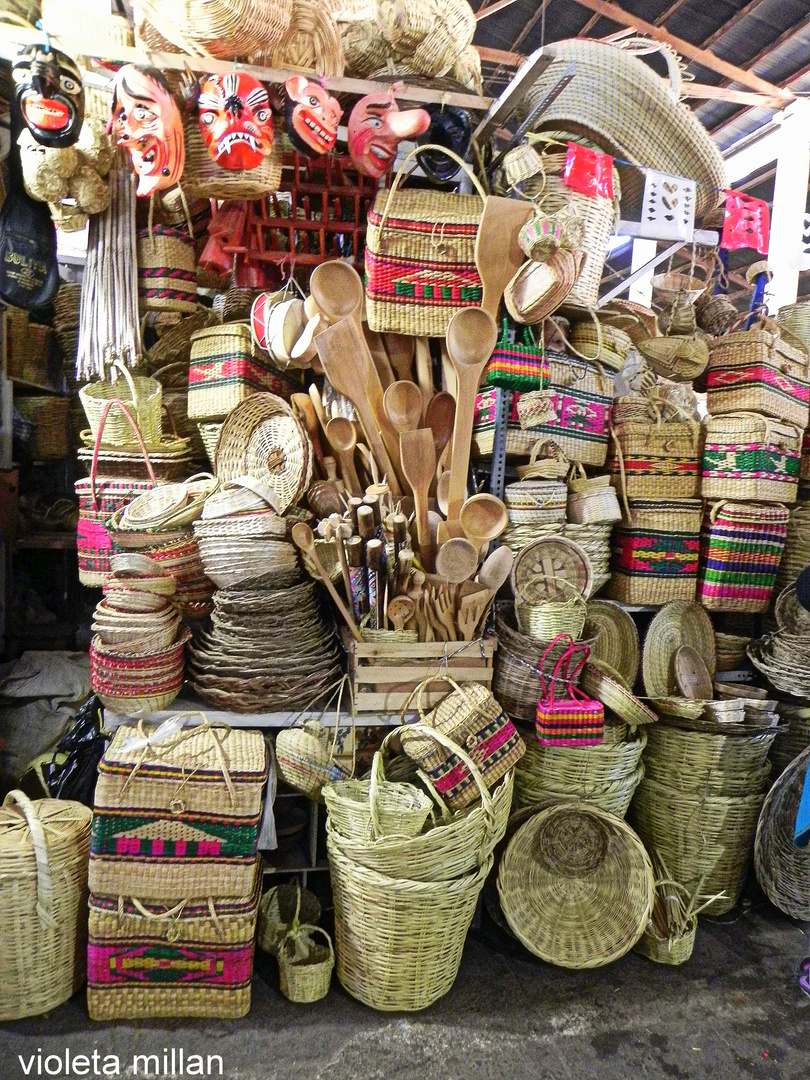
(548, 558)
(156, 504)
(576, 886)
(680, 622)
(597, 684)
(617, 642)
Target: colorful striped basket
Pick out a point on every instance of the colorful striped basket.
(740, 548)
(167, 271)
(748, 456)
(804, 470)
(758, 371)
(653, 458)
(192, 957)
(518, 442)
(655, 552)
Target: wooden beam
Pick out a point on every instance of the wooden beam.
(670, 12)
(500, 56)
(702, 91)
(589, 25)
(685, 48)
(729, 24)
(486, 10)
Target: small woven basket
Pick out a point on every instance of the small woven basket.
(167, 273)
(363, 809)
(140, 393)
(543, 620)
(306, 979)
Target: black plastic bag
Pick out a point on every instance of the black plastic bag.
(73, 770)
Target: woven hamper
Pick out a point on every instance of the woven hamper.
(167, 272)
(757, 371)
(180, 816)
(227, 367)
(580, 395)
(655, 552)
(186, 958)
(748, 456)
(740, 548)
(654, 459)
(49, 416)
(44, 847)
(783, 868)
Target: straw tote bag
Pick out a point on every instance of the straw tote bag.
(420, 255)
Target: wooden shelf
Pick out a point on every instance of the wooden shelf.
(24, 384)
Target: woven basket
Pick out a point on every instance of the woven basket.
(680, 358)
(306, 979)
(789, 744)
(203, 178)
(730, 650)
(304, 759)
(577, 770)
(747, 456)
(796, 319)
(544, 620)
(606, 345)
(655, 552)
(139, 393)
(280, 909)
(368, 809)
(757, 371)
(592, 501)
(783, 869)
(651, 458)
(740, 548)
(223, 28)
(537, 502)
(209, 433)
(311, 42)
(796, 555)
(167, 274)
(44, 848)
(576, 886)
(49, 416)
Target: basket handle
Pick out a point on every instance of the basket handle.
(40, 845)
(419, 691)
(97, 447)
(132, 389)
(402, 175)
(573, 348)
(549, 647)
(310, 929)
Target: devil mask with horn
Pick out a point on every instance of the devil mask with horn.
(146, 120)
(236, 122)
(377, 126)
(48, 87)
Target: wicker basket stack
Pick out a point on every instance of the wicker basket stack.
(699, 803)
(176, 821)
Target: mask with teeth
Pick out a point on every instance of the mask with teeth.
(146, 120)
(376, 127)
(235, 120)
(312, 116)
(48, 88)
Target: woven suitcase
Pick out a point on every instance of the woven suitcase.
(756, 370)
(655, 552)
(748, 456)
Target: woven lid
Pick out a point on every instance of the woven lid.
(205, 749)
(576, 886)
(549, 558)
(681, 622)
(63, 821)
(617, 641)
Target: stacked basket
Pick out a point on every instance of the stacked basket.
(174, 872)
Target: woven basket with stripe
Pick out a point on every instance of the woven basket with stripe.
(748, 456)
(167, 273)
(740, 548)
(655, 552)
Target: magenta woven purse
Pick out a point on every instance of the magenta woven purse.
(571, 719)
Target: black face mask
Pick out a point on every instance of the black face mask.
(49, 94)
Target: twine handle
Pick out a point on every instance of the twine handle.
(599, 340)
(548, 695)
(97, 448)
(402, 175)
(40, 846)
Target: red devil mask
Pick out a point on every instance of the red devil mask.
(376, 127)
(146, 120)
(235, 120)
(312, 116)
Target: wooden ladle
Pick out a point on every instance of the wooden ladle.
(343, 440)
(419, 465)
(483, 518)
(457, 560)
(496, 568)
(400, 611)
(337, 289)
(304, 539)
(471, 337)
(498, 255)
(402, 402)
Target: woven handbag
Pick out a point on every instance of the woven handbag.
(569, 718)
(749, 456)
(167, 272)
(519, 364)
(472, 718)
(420, 255)
(99, 500)
(652, 457)
(591, 499)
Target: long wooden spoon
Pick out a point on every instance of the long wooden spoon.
(338, 291)
(483, 518)
(402, 402)
(343, 440)
(304, 539)
(424, 371)
(471, 337)
(419, 465)
(306, 410)
(440, 418)
(498, 256)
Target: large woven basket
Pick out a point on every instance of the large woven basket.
(576, 886)
(223, 28)
(203, 178)
(651, 458)
(783, 869)
(655, 552)
(141, 394)
(44, 848)
(49, 416)
(740, 548)
(748, 456)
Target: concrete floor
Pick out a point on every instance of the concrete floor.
(733, 1012)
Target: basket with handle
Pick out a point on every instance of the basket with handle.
(560, 610)
(518, 364)
(569, 718)
(362, 809)
(304, 965)
(420, 255)
(591, 499)
(140, 393)
(750, 456)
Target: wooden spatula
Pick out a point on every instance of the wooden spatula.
(498, 256)
(349, 368)
(419, 465)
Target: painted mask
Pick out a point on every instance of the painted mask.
(146, 120)
(48, 87)
(312, 116)
(236, 122)
(376, 127)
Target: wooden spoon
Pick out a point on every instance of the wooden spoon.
(349, 368)
(304, 539)
(424, 371)
(338, 291)
(449, 530)
(317, 405)
(400, 349)
(440, 418)
(498, 256)
(419, 465)
(343, 440)
(483, 518)
(306, 410)
(379, 356)
(443, 491)
(496, 568)
(457, 560)
(402, 402)
(471, 337)
(400, 610)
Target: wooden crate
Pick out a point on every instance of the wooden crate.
(384, 676)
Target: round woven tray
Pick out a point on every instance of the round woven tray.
(783, 870)
(679, 622)
(598, 684)
(616, 638)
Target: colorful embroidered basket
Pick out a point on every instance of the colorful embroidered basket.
(565, 715)
(193, 957)
(518, 442)
(518, 364)
(420, 255)
(471, 717)
(653, 458)
(756, 370)
(740, 548)
(655, 552)
(580, 395)
(748, 456)
(179, 815)
(167, 272)
(227, 367)
(804, 470)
